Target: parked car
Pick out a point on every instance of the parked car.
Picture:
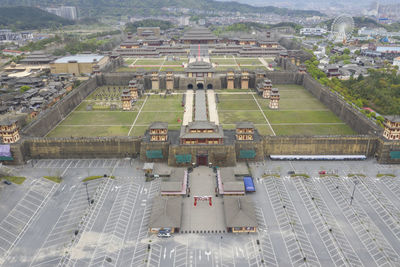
(164, 234)
(7, 182)
(290, 172)
(322, 172)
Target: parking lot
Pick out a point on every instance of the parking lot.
(304, 220)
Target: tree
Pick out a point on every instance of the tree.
(24, 88)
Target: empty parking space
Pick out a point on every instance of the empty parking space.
(81, 163)
(70, 221)
(14, 225)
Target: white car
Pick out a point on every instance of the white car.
(164, 234)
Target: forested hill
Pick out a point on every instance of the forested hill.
(28, 18)
(152, 7)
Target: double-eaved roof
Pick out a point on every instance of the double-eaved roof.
(245, 125)
(393, 118)
(201, 125)
(159, 125)
(200, 66)
(198, 33)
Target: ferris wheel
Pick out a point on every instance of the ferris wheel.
(342, 28)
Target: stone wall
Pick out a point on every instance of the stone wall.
(59, 148)
(218, 155)
(250, 145)
(49, 118)
(384, 147)
(319, 145)
(163, 146)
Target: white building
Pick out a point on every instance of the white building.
(184, 21)
(313, 31)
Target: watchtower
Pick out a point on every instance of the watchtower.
(274, 99)
(155, 80)
(169, 80)
(230, 78)
(9, 131)
(133, 88)
(245, 79)
(126, 99)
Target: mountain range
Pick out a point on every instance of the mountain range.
(153, 7)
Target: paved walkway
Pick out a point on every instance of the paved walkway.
(212, 107)
(188, 115)
(200, 112)
(265, 63)
(203, 217)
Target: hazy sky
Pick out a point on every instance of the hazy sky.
(301, 4)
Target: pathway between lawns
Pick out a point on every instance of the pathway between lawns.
(188, 114)
(140, 110)
(265, 117)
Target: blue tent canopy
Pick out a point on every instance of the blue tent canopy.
(248, 184)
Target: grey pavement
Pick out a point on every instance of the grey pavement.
(302, 221)
(212, 107)
(200, 112)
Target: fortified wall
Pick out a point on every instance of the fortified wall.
(369, 143)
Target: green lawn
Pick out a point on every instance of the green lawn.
(224, 92)
(257, 67)
(295, 104)
(294, 93)
(224, 97)
(264, 129)
(231, 117)
(175, 62)
(171, 103)
(146, 118)
(138, 130)
(129, 61)
(149, 62)
(224, 61)
(74, 131)
(248, 61)
(172, 68)
(14, 179)
(309, 116)
(55, 179)
(101, 118)
(238, 104)
(225, 68)
(313, 129)
(125, 69)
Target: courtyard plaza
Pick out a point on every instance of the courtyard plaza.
(299, 113)
(202, 217)
(304, 218)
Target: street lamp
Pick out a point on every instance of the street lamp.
(354, 189)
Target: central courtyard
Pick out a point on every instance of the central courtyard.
(299, 113)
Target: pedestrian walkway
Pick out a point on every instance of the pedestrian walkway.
(202, 217)
(212, 107)
(265, 63)
(200, 112)
(188, 115)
